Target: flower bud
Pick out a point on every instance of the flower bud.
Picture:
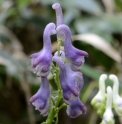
(41, 61)
(41, 99)
(117, 100)
(108, 115)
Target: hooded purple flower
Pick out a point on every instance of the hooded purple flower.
(75, 108)
(69, 84)
(77, 75)
(59, 15)
(41, 61)
(41, 99)
(73, 55)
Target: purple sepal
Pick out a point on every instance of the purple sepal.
(41, 61)
(75, 108)
(73, 55)
(69, 83)
(41, 99)
(59, 14)
(79, 79)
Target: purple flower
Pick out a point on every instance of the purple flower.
(41, 99)
(73, 55)
(75, 108)
(59, 15)
(41, 61)
(69, 83)
(77, 75)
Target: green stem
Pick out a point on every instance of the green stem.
(56, 120)
(59, 89)
(52, 99)
(51, 115)
(63, 105)
(57, 78)
(59, 44)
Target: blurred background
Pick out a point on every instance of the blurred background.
(96, 27)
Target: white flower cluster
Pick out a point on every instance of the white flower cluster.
(104, 102)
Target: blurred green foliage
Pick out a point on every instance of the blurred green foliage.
(21, 33)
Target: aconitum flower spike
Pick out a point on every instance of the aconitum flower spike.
(41, 61)
(117, 100)
(98, 102)
(41, 99)
(73, 55)
(59, 14)
(68, 82)
(75, 108)
(108, 117)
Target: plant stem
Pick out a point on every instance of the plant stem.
(63, 105)
(59, 44)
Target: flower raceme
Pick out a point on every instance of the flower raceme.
(73, 55)
(41, 99)
(104, 103)
(69, 61)
(41, 61)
